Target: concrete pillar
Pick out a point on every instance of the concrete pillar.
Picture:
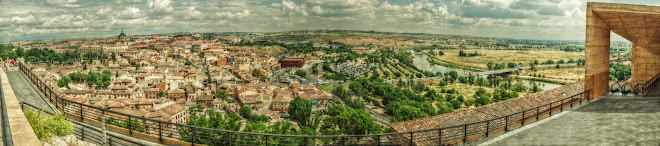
(597, 50)
(645, 63)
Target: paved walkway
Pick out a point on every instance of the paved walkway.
(25, 91)
(21, 131)
(655, 91)
(611, 120)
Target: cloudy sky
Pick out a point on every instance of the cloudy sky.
(523, 19)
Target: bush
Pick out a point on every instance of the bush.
(47, 126)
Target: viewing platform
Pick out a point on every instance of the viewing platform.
(609, 120)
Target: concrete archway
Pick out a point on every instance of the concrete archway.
(639, 24)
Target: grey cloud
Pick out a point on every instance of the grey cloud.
(37, 19)
(127, 2)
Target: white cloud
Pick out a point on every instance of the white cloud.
(317, 10)
(160, 6)
(545, 19)
(231, 15)
(291, 9)
(124, 2)
(131, 13)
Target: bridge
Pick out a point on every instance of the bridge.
(490, 72)
(511, 70)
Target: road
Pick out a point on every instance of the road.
(380, 117)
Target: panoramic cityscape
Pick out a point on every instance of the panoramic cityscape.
(338, 72)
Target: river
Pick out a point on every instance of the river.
(419, 60)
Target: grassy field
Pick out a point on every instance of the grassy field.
(466, 90)
(506, 56)
(570, 73)
(330, 87)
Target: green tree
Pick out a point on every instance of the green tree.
(352, 122)
(64, 81)
(519, 87)
(255, 73)
(222, 94)
(210, 119)
(301, 73)
(511, 65)
(444, 107)
(300, 110)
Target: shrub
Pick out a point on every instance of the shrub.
(47, 126)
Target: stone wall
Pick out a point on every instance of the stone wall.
(597, 50)
(645, 64)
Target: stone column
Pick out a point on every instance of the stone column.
(645, 63)
(597, 50)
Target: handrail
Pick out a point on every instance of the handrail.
(512, 118)
(622, 87)
(6, 131)
(646, 85)
(23, 106)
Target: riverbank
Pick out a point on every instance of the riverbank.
(436, 61)
(546, 80)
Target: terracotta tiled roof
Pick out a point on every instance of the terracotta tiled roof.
(489, 111)
(315, 95)
(444, 120)
(173, 109)
(205, 98)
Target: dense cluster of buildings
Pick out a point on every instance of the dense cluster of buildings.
(163, 77)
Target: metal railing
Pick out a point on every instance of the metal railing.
(181, 134)
(640, 88)
(643, 88)
(6, 129)
(85, 132)
(623, 87)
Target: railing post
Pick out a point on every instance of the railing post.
(343, 141)
(561, 108)
(192, 138)
(378, 140)
(440, 137)
(306, 140)
(550, 114)
(81, 113)
(229, 138)
(411, 138)
(82, 133)
(537, 113)
(160, 132)
(56, 101)
(487, 128)
(130, 128)
(465, 133)
(506, 123)
(266, 140)
(523, 118)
